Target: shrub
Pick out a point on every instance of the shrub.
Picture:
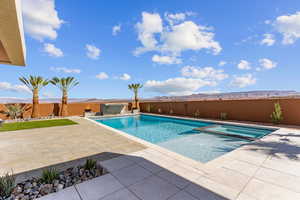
(90, 164)
(197, 113)
(14, 111)
(276, 116)
(49, 175)
(7, 184)
(223, 116)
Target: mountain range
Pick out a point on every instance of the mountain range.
(193, 97)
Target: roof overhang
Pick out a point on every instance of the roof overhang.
(12, 44)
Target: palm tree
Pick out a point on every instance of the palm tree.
(34, 83)
(65, 85)
(135, 88)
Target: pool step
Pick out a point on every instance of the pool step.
(206, 129)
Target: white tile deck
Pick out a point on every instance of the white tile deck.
(265, 170)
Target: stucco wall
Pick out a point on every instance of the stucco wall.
(46, 109)
(256, 110)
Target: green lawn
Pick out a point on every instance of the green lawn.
(35, 124)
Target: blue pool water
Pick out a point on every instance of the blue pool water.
(178, 135)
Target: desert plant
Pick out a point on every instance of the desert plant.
(277, 116)
(223, 116)
(7, 184)
(34, 83)
(90, 164)
(197, 113)
(49, 175)
(135, 88)
(65, 85)
(14, 111)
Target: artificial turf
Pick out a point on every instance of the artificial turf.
(35, 124)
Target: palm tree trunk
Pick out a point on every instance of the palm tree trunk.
(35, 104)
(64, 104)
(136, 106)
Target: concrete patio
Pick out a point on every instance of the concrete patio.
(264, 170)
(32, 149)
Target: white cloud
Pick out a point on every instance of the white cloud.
(92, 51)
(48, 95)
(52, 50)
(176, 86)
(268, 39)
(65, 70)
(165, 59)
(267, 63)
(175, 18)
(205, 73)
(41, 19)
(222, 63)
(102, 76)
(5, 86)
(267, 21)
(289, 27)
(243, 81)
(189, 36)
(151, 24)
(244, 65)
(212, 92)
(172, 39)
(125, 77)
(116, 29)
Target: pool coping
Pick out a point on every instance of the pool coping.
(179, 157)
(194, 163)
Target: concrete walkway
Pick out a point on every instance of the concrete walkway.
(265, 170)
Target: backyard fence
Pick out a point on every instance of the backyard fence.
(52, 109)
(256, 110)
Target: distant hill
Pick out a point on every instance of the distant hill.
(58, 100)
(231, 95)
(193, 97)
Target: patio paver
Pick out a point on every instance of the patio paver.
(69, 193)
(130, 175)
(182, 195)
(123, 194)
(98, 187)
(154, 188)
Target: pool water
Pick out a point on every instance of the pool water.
(178, 135)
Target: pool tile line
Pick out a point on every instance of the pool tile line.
(217, 121)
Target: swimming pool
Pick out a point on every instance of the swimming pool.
(180, 136)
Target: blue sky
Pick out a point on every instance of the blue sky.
(172, 47)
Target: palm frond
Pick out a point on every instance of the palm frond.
(34, 82)
(64, 84)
